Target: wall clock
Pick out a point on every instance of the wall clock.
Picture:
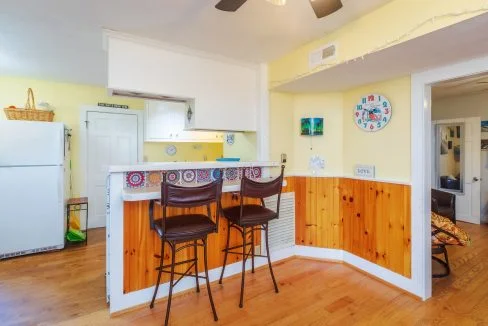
(171, 150)
(373, 112)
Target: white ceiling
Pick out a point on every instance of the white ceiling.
(456, 43)
(461, 86)
(62, 39)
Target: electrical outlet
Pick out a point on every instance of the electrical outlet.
(283, 158)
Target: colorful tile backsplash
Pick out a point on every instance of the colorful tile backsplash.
(141, 179)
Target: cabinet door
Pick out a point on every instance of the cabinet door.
(158, 122)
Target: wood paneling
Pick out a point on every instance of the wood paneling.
(366, 218)
(141, 243)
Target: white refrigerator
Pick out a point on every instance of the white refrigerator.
(32, 197)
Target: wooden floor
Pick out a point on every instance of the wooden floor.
(68, 287)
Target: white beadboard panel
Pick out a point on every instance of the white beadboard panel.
(282, 230)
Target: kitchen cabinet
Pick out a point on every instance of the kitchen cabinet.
(165, 122)
(226, 95)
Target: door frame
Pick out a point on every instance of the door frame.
(84, 110)
(421, 163)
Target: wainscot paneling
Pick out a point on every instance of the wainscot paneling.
(366, 218)
(141, 244)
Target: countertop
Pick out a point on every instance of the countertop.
(155, 192)
(157, 166)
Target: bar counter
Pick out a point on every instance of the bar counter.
(131, 245)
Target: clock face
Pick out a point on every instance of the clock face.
(373, 112)
(171, 150)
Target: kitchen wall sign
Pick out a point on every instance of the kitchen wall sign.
(372, 113)
(110, 105)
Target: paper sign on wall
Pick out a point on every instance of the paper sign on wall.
(364, 171)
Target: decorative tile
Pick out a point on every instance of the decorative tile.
(189, 176)
(153, 179)
(204, 175)
(135, 179)
(257, 172)
(215, 174)
(231, 174)
(173, 176)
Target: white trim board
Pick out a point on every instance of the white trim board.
(421, 164)
(84, 136)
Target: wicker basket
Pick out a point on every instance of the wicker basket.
(29, 112)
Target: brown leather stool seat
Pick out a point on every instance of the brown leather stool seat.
(184, 231)
(250, 218)
(251, 214)
(183, 227)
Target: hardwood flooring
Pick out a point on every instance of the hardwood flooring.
(68, 288)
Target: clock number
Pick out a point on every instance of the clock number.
(387, 111)
(371, 98)
(384, 119)
(364, 100)
(360, 121)
(357, 114)
(378, 125)
(385, 104)
(371, 127)
(359, 107)
(365, 125)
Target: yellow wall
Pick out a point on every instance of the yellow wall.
(67, 98)
(281, 127)
(381, 26)
(329, 146)
(244, 146)
(343, 144)
(388, 149)
(187, 152)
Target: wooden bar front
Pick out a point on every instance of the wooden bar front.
(141, 244)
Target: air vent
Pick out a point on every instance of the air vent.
(27, 252)
(282, 230)
(322, 55)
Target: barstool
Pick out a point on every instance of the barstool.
(185, 229)
(255, 217)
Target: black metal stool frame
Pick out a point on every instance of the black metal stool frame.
(173, 245)
(439, 249)
(244, 231)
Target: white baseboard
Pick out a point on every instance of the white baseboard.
(382, 273)
(140, 297)
(144, 296)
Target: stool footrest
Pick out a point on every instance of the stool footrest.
(178, 263)
(235, 247)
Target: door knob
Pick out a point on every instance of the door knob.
(475, 179)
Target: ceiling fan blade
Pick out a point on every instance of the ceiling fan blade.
(324, 8)
(229, 5)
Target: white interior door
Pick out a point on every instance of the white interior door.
(112, 139)
(468, 205)
(468, 200)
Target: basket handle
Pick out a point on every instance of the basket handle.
(30, 104)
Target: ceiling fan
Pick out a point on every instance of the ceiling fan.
(321, 8)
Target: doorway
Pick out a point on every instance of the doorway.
(456, 159)
(421, 163)
(109, 137)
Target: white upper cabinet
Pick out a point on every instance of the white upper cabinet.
(224, 96)
(165, 121)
